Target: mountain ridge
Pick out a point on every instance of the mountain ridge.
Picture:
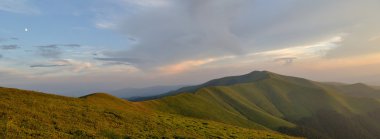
(270, 100)
(258, 103)
(223, 81)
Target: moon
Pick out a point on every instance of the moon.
(26, 29)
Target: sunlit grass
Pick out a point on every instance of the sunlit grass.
(27, 114)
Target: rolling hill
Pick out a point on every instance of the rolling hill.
(28, 114)
(292, 105)
(259, 104)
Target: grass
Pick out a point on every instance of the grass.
(27, 114)
(254, 105)
(274, 102)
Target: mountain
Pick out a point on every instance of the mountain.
(28, 114)
(260, 104)
(291, 105)
(253, 76)
(359, 90)
(134, 94)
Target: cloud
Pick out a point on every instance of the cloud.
(71, 45)
(190, 34)
(9, 47)
(184, 66)
(150, 3)
(58, 45)
(115, 63)
(284, 56)
(55, 63)
(173, 41)
(18, 6)
(171, 31)
(52, 46)
(49, 51)
(54, 50)
(121, 59)
(285, 60)
(62, 67)
(1, 56)
(105, 25)
(7, 39)
(318, 49)
(45, 66)
(348, 62)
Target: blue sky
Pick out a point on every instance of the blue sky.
(59, 22)
(74, 47)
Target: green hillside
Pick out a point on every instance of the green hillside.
(28, 114)
(295, 106)
(256, 105)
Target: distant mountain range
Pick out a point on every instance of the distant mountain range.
(137, 93)
(259, 104)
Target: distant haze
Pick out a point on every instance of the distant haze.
(143, 92)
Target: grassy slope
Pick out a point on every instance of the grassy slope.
(253, 76)
(273, 101)
(27, 114)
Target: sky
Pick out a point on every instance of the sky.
(76, 47)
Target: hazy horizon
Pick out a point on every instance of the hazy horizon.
(89, 46)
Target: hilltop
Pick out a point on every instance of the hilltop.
(292, 105)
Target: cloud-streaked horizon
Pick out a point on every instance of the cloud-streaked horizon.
(107, 45)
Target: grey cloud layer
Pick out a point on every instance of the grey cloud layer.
(53, 64)
(71, 45)
(46, 65)
(53, 50)
(128, 60)
(184, 30)
(9, 39)
(9, 47)
(51, 46)
(49, 51)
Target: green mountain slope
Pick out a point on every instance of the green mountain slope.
(254, 105)
(292, 105)
(253, 76)
(27, 114)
